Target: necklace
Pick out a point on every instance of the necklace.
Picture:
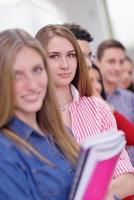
(63, 108)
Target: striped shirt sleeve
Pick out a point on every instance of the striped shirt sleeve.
(91, 116)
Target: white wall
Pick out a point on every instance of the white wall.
(29, 15)
(33, 14)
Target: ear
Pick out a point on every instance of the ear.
(98, 63)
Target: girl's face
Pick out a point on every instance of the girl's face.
(95, 81)
(30, 82)
(62, 61)
(127, 75)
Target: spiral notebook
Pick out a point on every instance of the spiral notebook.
(98, 157)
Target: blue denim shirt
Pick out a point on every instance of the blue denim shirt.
(24, 177)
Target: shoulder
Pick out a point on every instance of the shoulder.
(8, 150)
(5, 142)
(95, 113)
(94, 106)
(96, 103)
(126, 92)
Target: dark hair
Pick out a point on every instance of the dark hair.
(103, 94)
(111, 43)
(129, 59)
(131, 86)
(79, 32)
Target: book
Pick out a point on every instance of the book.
(97, 160)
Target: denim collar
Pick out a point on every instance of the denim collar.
(117, 91)
(18, 126)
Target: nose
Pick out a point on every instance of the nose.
(64, 63)
(31, 83)
(118, 66)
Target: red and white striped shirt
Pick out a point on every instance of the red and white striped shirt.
(90, 116)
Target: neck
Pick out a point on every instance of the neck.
(109, 87)
(64, 96)
(28, 118)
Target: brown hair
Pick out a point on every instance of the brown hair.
(81, 80)
(129, 59)
(49, 119)
(106, 45)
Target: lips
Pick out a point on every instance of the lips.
(31, 97)
(64, 75)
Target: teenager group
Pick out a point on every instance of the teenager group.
(46, 110)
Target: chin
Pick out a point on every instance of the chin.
(32, 108)
(114, 80)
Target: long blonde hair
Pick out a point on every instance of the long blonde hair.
(81, 79)
(49, 119)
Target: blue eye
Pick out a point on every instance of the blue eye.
(38, 69)
(72, 55)
(18, 75)
(54, 56)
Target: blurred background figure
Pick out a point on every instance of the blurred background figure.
(127, 76)
(84, 39)
(98, 90)
(122, 122)
(110, 58)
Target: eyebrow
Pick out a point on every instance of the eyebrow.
(111, 59)
(36, 65)
(18, 71)
(73, 50)
(57, 52)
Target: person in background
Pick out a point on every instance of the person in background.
(84, 39)
(84, 114)
(122, 122)
(127, 75)
(98, 90)
(38, 155)
(110, 58)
